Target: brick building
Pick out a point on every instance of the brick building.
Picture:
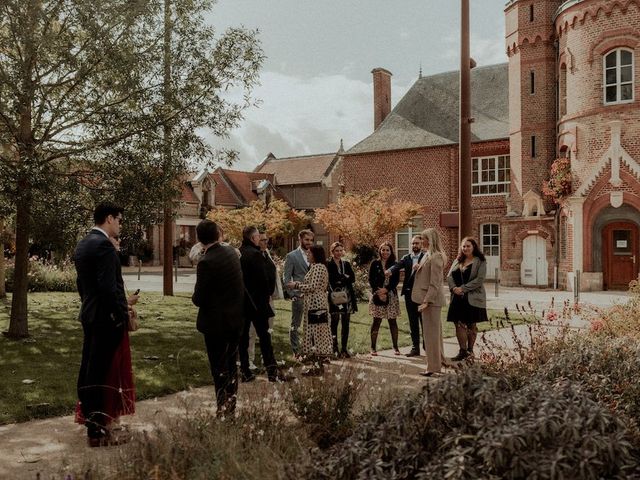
(222, 188)
(570, 89)
(307, 182)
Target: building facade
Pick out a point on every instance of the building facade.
(569, 91)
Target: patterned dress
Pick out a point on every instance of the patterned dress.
(317, 338)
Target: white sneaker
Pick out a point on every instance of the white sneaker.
(252, 366)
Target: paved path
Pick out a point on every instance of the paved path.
(45, 445)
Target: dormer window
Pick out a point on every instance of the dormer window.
(618, 76)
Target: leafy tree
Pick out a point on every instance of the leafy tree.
(363, 219)
(83, 106)
(277, 218)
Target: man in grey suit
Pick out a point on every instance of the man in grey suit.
(296, 266)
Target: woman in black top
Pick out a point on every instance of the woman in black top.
(384, 299)
(341, 277)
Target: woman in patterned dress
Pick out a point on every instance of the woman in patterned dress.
(317, 341)
(384, 301)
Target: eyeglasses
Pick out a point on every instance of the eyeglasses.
(118, 219)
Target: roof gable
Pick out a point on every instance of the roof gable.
(298, 170)
(428, 114)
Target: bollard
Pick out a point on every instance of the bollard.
(576, 287)
(175, 269)
(497, 278)
(139, 268)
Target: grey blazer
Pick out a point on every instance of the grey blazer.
(295, 268)
(474, 288)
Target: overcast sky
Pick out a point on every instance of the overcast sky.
(316, 83)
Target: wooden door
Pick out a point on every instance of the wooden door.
(619, 255)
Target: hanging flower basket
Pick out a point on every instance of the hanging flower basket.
(560, 180)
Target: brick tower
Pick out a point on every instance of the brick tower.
(532, 95)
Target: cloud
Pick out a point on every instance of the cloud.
(304, 116)
(484, 50)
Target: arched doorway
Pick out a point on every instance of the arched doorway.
(534, 269)
(619, 255)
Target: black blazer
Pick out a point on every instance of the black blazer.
(219, 292)
(258, 288)
(377, 277)
(338, 280)
(406, 264)
(99, 281)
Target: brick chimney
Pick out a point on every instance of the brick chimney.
(381, 95)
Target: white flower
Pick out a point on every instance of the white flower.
(337, 377)
(361, 376)
(261, 432)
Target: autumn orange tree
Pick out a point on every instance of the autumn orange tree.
(277, 218)
(363, 219)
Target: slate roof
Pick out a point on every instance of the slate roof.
(298, 170)
(428, 114)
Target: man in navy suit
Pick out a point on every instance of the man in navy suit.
(296, 266)
(104, 315)
(219, 294)
(407, 263)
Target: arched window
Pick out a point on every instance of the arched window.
(618, 76)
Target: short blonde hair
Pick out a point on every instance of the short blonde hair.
(435, 244)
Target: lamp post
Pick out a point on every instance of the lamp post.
(464, 166)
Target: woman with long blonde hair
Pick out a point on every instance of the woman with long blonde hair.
(427, 293)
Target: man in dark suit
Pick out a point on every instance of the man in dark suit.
(104, 315)
(258, 291)
(219, 292)
(407, 264)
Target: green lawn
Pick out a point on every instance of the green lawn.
(168, 353)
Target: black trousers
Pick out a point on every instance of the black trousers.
(222, 352)
(414, 321)
(344, 337)
(261, 324)
(101, 341)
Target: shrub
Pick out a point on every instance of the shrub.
(46, 277)
(474, 426)
(258, 444)
(325, 406)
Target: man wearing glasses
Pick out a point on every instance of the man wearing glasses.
(104, 315)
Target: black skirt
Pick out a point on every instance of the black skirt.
(459, 309)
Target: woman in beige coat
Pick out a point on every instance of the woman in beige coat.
(427, 293)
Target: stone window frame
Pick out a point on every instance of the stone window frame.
(483, 187)
(618, 84)
(414, 228)
(491, 247)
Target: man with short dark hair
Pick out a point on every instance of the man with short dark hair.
(296, 266)
(219, 294)
(408, 263)
(104, 315)
(258, 290)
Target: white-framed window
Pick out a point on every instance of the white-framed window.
(490, 239)
(404, 236)
(618, 76)
(490, 175)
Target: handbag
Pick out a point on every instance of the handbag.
(339, 297)
(317, 317)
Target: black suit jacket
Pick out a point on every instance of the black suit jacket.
(99, 281)
(258, 287)
(406, 264)
(219, 292)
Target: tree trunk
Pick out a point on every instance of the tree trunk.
(3, 289)
(167, 277)
(18, 325)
